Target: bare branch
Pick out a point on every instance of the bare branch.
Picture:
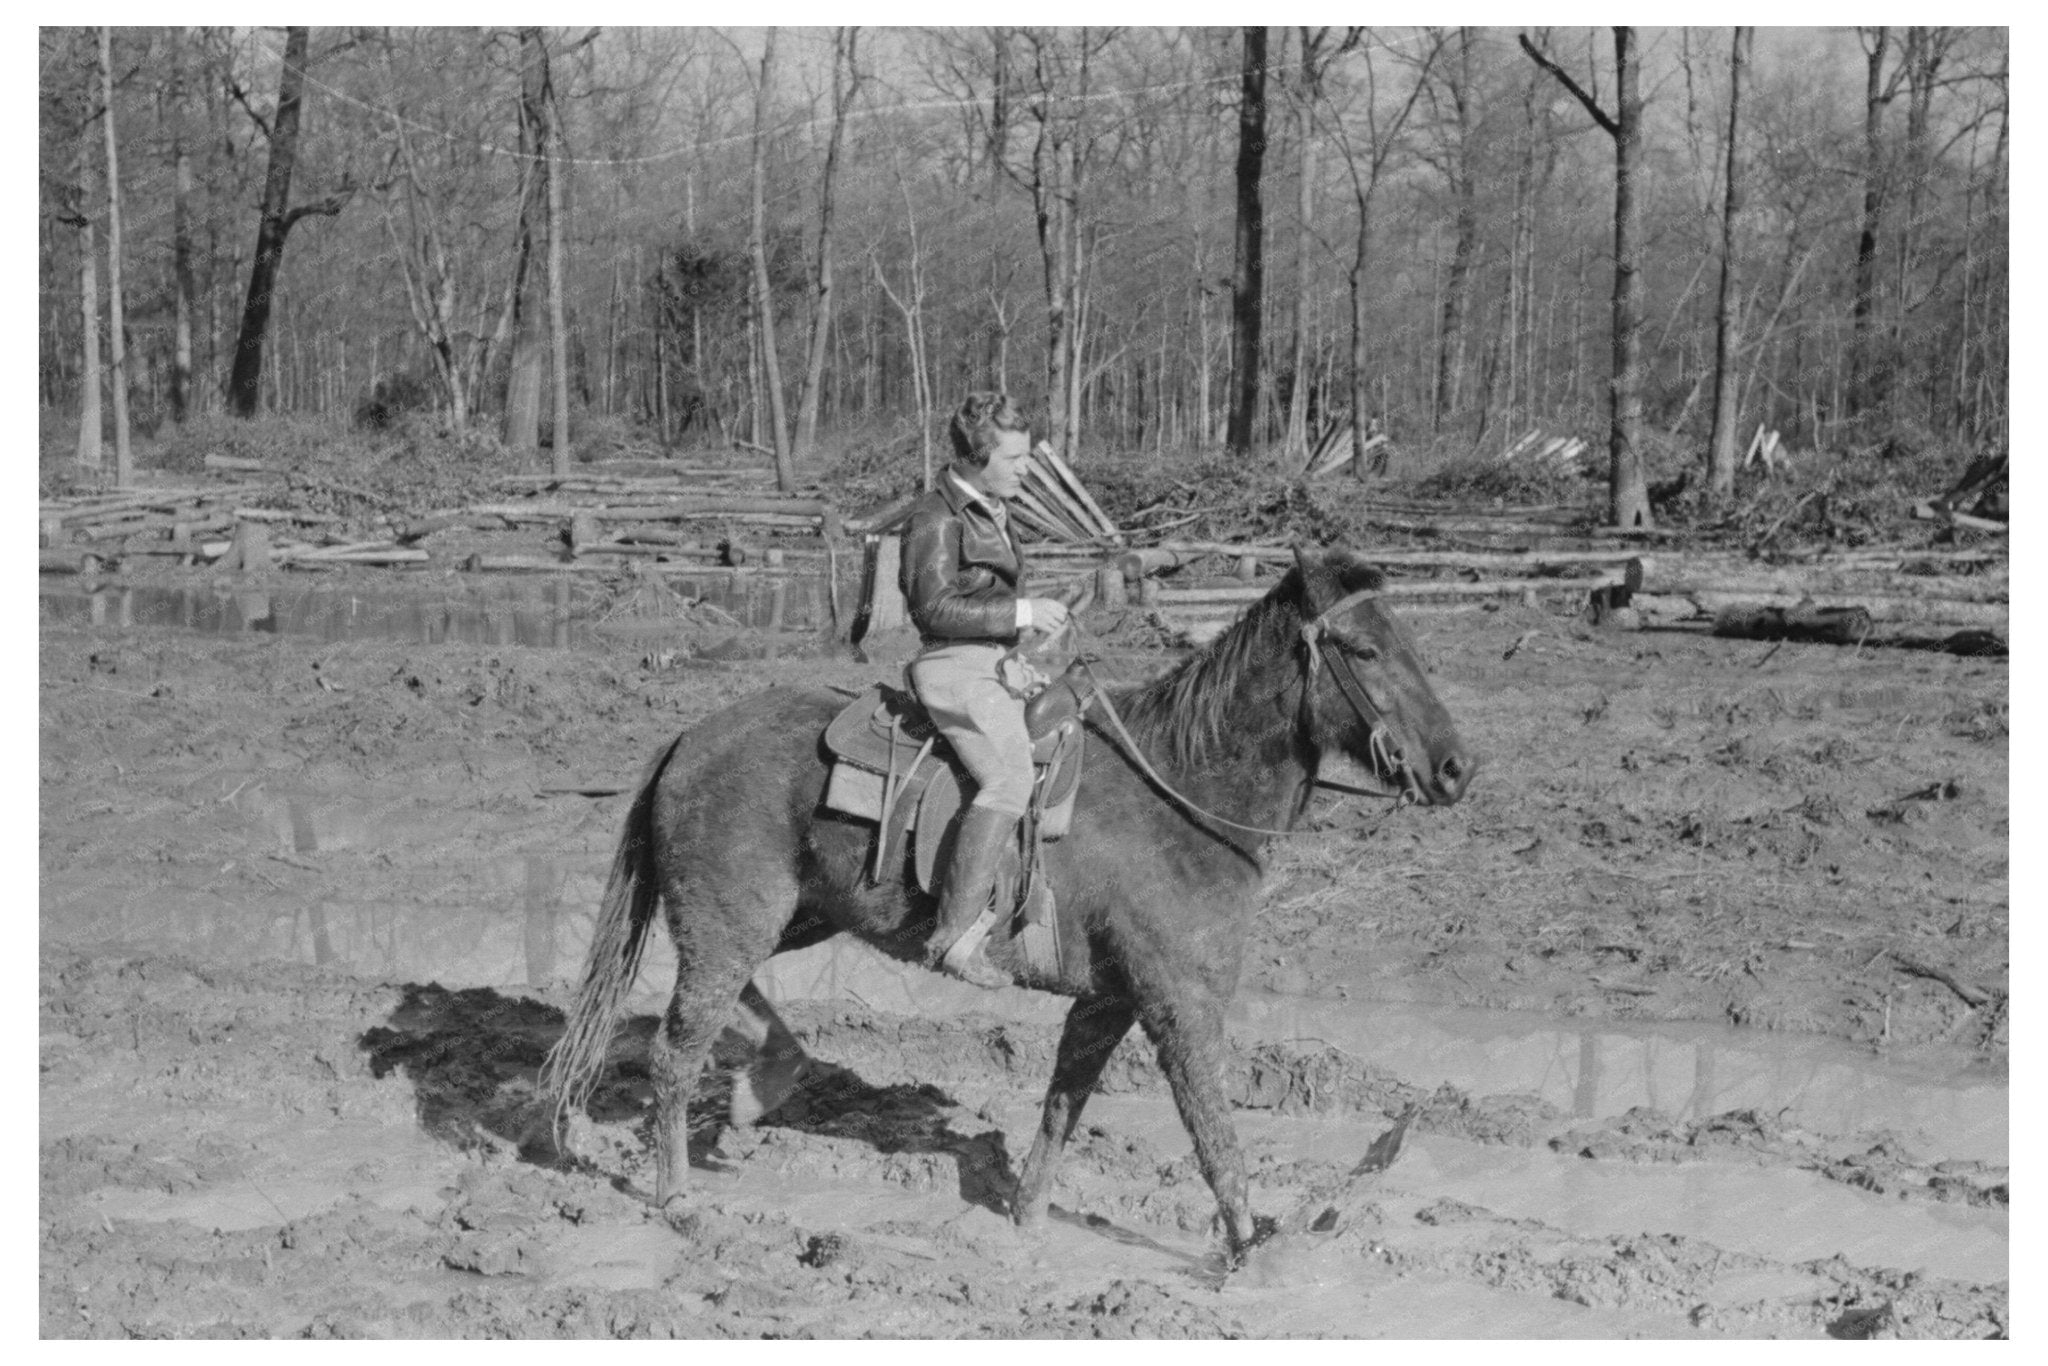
(1600, 116)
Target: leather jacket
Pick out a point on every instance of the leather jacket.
(962, 574)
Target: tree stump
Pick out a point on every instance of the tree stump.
(1109, 586)
(250, 553)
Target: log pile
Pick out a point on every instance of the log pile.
(1889, 588)
(598, 517)
(1193, 585)
(670, 519)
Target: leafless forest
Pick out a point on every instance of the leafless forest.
(1170, 240)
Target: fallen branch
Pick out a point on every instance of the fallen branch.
(1927, 512)
(1971, 996)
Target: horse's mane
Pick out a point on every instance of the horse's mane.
(1186, 708)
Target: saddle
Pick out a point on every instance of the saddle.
(890, 765)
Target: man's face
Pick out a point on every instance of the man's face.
(1003, 475)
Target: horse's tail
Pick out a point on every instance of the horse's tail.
(631, 896)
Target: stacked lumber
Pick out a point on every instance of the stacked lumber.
(1337, 449)
(1562, 454)
(1054, 502)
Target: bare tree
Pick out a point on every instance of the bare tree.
(1628, 497)
(117, 340)
(845, 87)
(1866, 382)
(1727, 322)
(764, 293)
(428, 268)
(1458, 170)
(1248, 278)
(276, 222)
(912, 309)
(1302, 94)
(521, 320)
(1367, 153)
(558, 326)
(181, 240)
(89, 417)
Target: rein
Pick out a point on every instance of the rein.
(1347, 683)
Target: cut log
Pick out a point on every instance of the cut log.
(484, 564)
(1040, 478)
(624, 550)
(390, 555)
(674, 509)
(1938, 611)
(1140, 564)
(236, 463)
(64, 560)
(1927, 512)
(882, 519)
(275, 515)
(1333, 453)
(1046, 498)
(1035, 518)
(1659, 574)
(1344, 454)
(1102, 524)
(1498, 588)
(1821, 625)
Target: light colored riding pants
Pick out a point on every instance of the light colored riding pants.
(960, 685)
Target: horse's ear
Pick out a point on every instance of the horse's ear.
(1318, 584)
(1352, 570)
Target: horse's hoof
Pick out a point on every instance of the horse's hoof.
(576, 1141)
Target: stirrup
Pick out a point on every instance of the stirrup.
(960, 960)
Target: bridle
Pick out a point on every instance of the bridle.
(1386, 758)
(1312, 632)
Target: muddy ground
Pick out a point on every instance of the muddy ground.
(309, 911)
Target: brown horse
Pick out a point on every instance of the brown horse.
(1155, 892)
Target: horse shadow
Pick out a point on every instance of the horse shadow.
(473, 1057)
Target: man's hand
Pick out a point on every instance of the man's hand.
(1048, 616)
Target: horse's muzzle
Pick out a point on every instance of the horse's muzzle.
(1451, 776)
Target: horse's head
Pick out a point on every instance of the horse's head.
(1367, 692)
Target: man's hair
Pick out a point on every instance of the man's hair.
(978, 421)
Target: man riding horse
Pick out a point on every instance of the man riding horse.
(963, 578)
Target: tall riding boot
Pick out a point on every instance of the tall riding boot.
(965, 915)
